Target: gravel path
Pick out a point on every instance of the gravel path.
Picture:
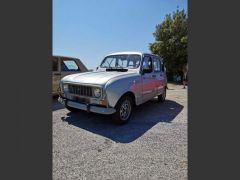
(153, 145)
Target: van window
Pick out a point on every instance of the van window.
(69, 65)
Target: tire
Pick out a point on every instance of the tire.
(162, 97)
(71, 109)
(124, 109)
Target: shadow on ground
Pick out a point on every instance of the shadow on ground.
(55, 104)
(144, 118)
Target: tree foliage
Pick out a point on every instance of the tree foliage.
(171, 41)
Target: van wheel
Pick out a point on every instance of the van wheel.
(123, 110)
(71, 109)
(162, 97)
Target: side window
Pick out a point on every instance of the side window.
(147, 64)
(69, 65)
(55, 64)
(156, 65)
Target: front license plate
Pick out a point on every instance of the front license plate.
(82, 100)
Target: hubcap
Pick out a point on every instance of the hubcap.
(125, 110)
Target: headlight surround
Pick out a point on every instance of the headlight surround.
(97, 92)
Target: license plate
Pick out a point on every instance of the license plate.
(82, 100)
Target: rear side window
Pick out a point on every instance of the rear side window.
(156, 65)
(54, 64)
(69, 65)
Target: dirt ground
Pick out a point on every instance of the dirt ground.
(153, 145)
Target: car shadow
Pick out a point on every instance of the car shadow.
(55, 104)
(144, 118)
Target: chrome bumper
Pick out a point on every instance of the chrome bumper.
(86, 107)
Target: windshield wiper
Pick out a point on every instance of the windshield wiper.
(121, 69)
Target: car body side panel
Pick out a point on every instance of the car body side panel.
(148, 87)
(115, 88)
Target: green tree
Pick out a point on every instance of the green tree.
(171, 38)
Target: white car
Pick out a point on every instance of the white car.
(123, 80)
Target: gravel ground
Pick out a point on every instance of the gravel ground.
(153, 145)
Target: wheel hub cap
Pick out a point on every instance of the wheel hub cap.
(125, 110)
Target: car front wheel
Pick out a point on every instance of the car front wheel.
(123, 110)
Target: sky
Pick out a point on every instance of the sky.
(91, 29)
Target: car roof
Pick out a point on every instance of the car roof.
(131, 52)
(58, 56)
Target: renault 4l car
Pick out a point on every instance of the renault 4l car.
(122, 81)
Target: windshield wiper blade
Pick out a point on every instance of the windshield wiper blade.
(116, 69)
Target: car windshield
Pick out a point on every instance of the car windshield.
(121, 61)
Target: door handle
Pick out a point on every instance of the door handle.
(57, 73)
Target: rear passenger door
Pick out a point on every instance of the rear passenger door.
(159, 75)
(148, 79)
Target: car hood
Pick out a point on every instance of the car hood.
(97, 77)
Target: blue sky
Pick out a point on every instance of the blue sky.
(91, 29)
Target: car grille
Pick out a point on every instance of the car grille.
(80, 90)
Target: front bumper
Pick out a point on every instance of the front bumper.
(86, 107)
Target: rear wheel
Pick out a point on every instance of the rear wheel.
(162, 97)
(123, 110)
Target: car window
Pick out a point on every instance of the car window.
(134, 61)
(121, 61)
(69, 65)
(156, 64)
(147, 63)
(55, 64)
(109, 62)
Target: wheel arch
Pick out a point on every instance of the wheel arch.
(130, 94)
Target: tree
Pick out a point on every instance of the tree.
(171, 41)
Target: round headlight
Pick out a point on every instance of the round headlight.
(97, 92)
